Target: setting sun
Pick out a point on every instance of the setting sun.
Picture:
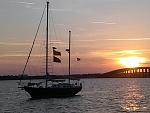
(131, 61)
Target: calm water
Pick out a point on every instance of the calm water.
(110, 95)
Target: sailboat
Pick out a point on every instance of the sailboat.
(58, 87)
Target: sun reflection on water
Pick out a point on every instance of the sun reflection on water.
(132, 100)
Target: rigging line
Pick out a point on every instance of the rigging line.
(67, 28)
(40, 56)
(54, 33)
(29, 72)
(56, 37)
(34, 41)
(59, 18)
(34, 69)
(50, 45)
(54, 27)
(75, 50)
(75, 55)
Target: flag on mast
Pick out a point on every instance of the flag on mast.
(56, 53)
(68, 50)
(57, 60)
(54, 48)
(78, 59)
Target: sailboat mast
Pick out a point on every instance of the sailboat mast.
(69, 52)
(47, 45)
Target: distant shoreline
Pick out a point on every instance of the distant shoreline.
(82, 76)
(15, 77)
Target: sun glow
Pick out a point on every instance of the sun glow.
(131, 61)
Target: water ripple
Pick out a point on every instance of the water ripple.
(98, 96)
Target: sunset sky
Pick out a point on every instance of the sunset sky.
(105, 33)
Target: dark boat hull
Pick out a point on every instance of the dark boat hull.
(52, 92)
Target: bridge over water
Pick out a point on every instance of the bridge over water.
(137, 72)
